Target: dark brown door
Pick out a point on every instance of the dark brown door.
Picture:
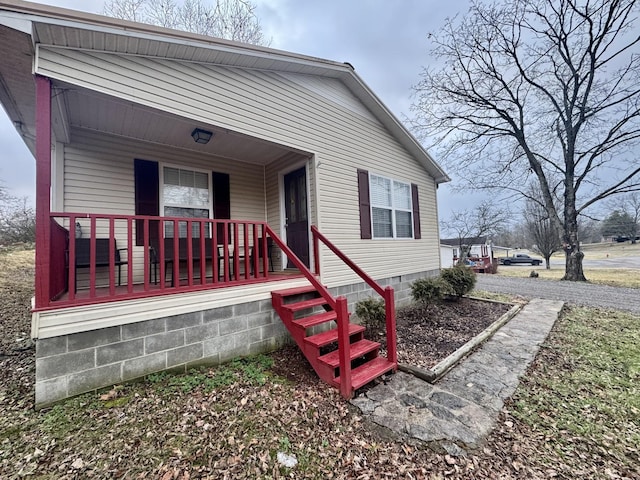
(296, 221)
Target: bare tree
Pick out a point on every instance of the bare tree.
(483, 220)
(628, 205)
(589, 230)
(17, 219)
(230, 19)
(546, 239)
(539, 89)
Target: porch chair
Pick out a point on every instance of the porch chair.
(83, 256)
(154, 257)
(269, 253)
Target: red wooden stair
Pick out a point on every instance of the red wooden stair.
(298, 309)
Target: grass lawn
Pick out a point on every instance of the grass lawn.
(599, 251)
(581, 399)
(576, 414)
(617, 277)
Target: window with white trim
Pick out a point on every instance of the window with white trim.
(185, 193)
(391, 208)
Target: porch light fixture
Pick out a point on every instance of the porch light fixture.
(201, 136)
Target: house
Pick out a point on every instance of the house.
(194, 195)
(478, 250)
(447, 255)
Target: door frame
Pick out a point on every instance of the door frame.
(283, 231)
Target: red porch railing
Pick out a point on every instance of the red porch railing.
(101, 257)
(339, 305)
(385, 293)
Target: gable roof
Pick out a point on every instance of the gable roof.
(61, 27)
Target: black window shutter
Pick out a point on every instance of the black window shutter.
(221, 200)
(147, 197)
(365, 204)
(416, 212)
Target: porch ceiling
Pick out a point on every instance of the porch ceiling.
(94, 111)
(17, 90)
(76, 107)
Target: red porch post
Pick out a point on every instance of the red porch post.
(390, 314)
(43, 190)
(344, 348)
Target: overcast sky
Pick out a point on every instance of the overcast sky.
(385, 41)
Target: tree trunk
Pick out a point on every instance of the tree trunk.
(547, 261)
(570, 244)
(573, 263)
(573, 269)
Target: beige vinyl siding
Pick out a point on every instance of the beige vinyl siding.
(99, 178)
(341, 223)
(295, 114)
(262, 104)
(332, 90)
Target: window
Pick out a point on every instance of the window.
(185, 193)
(391, 208)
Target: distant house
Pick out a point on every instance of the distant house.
(188, 188)
(447, 255)
(472, 246)
(478, 251)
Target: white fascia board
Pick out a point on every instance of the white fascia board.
(16, 21)
(69, 320)
(274, 55)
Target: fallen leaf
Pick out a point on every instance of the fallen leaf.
(110, 395)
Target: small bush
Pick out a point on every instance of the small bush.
(460, 279)
(372, 313)
(427, 290)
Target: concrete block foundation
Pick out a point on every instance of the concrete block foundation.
(72, 364)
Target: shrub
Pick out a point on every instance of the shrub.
(427, 290)
(372, 313)
(460, 279)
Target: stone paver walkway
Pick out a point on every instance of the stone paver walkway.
(461, 408)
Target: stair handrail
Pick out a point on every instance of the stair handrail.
(385, 293)
(339, 305)
(303, 268)
(350, 263)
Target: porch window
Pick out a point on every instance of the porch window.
(391, 208)
(185, 193)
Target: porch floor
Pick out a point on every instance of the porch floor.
(103, 293)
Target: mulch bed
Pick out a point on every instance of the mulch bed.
(427, 334)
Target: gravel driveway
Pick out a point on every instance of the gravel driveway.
(579, 293)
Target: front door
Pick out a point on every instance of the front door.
(297, 221)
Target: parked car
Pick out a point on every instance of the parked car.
(520, 258)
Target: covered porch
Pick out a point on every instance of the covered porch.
(141, 206)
